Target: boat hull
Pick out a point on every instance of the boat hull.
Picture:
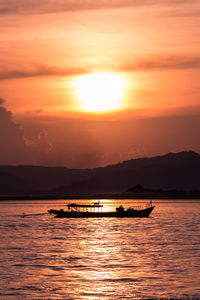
(133, 213)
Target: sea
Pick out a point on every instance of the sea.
(43, 257)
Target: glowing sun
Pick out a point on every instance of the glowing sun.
(100, 91)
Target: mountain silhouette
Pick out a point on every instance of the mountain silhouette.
(179, 171)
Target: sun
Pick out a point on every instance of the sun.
(100, 92)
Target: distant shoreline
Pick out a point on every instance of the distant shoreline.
(139, 196)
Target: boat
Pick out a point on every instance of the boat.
(95, 211)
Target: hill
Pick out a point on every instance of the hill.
(180, 171)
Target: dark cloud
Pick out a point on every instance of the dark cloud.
(90, 143)
(46, 6)
(13, 149)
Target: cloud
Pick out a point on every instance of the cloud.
(91, 143)
(177, 13)
(173, 62)
(147, 64)
(1, 101)
(40, 70)
(88, 143)
(46, 6)
(13, 149)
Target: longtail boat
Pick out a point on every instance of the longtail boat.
(95, 211)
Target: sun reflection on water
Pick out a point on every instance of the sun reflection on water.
(106, 266)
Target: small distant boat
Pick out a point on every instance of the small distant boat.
(95, 211)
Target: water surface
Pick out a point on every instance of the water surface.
(42, 257)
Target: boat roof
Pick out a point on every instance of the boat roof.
(85, 205)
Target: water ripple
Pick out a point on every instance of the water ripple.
(48, 258)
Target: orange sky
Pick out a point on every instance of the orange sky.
(44, 46)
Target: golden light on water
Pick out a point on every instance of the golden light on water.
(100, 92)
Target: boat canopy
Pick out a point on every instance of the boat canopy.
(84, 205)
